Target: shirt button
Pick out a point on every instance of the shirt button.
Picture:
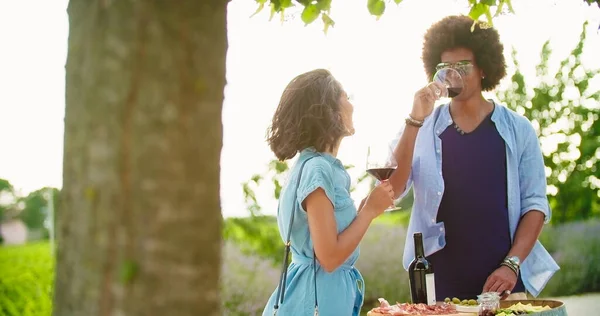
(441, 229)
(450, 121)
(439, 193)
(437, 151)
(433, 220)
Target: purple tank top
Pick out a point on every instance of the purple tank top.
(474, 211)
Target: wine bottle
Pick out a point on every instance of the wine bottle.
(420, 275)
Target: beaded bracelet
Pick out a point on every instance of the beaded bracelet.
(510, 266)
(411, 121)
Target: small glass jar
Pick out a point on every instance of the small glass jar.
(488, 303)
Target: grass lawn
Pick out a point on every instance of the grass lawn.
(26, 277)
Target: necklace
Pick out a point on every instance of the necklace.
(460, 131)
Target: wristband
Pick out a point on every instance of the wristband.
(411, 121)
(511, 267)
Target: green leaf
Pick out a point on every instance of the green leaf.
(5, 186)
(276, 4)
(397, 1)
(278, 188)
(509, 4)
(286, 4)
(273, 11)
(489, 2)
(323, 5)
(376, 7)
(310, 14)
(261, 5)
(278, 166)
(256, 178)
(327, 22)
(249, 194)
(488, 14)
(499, 8)
(478, 10)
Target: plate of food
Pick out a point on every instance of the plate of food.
(530, 307)
(409, 309)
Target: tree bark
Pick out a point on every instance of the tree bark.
(140, 226)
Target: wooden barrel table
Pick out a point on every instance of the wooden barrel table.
(558, 308)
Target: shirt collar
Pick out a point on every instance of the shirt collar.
(498, 117)
(311, 152)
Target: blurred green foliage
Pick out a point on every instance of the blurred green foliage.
(564, 108)
(33, 209)
(6, 192)
(36, 207)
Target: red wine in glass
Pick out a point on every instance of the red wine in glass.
(381, 174)
(451, 79)
(452, 92)
(381, 162)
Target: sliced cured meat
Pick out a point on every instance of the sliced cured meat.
(407, 309)
(383, 302)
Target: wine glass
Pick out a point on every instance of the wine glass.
(381, 162)
(451, 79)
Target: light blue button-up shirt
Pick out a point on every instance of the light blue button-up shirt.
(526, 187)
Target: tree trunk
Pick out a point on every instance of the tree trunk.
(139, 231)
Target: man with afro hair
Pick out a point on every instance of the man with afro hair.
(477, 173)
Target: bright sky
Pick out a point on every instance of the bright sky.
(377, 61)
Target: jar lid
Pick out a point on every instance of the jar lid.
(488, 296)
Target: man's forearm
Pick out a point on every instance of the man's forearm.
(527, 233)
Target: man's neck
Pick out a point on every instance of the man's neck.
(471, 109)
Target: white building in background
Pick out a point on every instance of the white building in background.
(13, 232)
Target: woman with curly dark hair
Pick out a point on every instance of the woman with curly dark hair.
(477, 173)
(317, 218)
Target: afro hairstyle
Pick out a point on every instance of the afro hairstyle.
(462, 31)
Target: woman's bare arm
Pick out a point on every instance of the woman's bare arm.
(331, 248)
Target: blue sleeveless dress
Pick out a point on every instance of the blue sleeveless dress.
(341, 291)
